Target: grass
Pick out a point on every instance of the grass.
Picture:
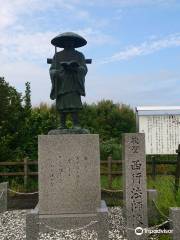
(164, 237)
(16, 184)
(166, 197)
(116, 183)
(164, 186)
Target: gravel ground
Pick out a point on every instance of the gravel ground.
(12, 227)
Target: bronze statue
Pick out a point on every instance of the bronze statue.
(67, 71)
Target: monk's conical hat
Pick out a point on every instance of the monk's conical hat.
(59, 40)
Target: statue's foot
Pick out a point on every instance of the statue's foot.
(75, 130)
(76, 127)
(80, 130)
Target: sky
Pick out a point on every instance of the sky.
(134, 46)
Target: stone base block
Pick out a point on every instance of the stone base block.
(175, 222)
(98, 222)
(32, 224)
(69, 173)
(3, 196)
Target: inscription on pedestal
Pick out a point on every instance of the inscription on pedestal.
(69, 173)
(134, 176)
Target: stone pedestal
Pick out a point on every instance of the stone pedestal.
(97, 221)
(3, 196)
(69, 185)
(32, 224)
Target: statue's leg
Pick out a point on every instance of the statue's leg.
(75, 119)
(63, 119)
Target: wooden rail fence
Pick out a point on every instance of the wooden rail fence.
(107, 172)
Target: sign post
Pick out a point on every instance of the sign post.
(161, 126)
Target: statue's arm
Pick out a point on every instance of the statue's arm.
(52, 74)
(82, 71)
(53, 71)
(53, 67)
(82, 65)
(56, 72)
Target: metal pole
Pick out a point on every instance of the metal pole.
(177, 174)
(154, 168)
(110, 172)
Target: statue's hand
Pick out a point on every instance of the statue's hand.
(70, 66)
(74, 64)
(55, 72)
(73, 69)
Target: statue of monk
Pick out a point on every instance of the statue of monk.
(67, 72)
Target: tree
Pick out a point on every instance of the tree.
(108, 119)
(20, 123)
(41, 120)
(10, 119)
(27, 97)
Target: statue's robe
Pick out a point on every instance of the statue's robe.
(68, 86)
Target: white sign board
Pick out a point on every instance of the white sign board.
(161, 128)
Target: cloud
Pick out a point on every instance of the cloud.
(127, 3)
(11, 11)
(25, 46)
(6, 18)
(151, 88)
(19, 72)
(36, 46)
(22, 40)
(95, 36)
(27, 26)
(131, 3)
(145, 48)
